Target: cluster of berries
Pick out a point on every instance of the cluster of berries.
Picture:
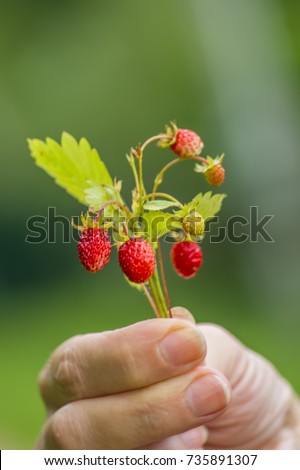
(187, 145)
(90, 182)
(136, 257)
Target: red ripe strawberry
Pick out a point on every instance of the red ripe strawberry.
(186, 258)
(94, 249)
(137, 260)
(187, 143)
(215, 175)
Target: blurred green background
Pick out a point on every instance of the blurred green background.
(116, 72)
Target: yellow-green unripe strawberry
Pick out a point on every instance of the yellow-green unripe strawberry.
(194, 224)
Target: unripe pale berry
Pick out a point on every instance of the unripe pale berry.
(194, 224)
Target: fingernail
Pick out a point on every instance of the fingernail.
(208, 394)
(183, 346)
(183, 314)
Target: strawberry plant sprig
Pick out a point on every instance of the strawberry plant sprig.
(136, 230)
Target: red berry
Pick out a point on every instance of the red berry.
(137, 260)
(215, 175)
(94, 249)
(187, 144)
(186, 258)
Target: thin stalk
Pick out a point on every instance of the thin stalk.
(199, 159)
(141, 184)
(159, 176)
(160, 293)
(152, 139)
(151, 301)
(135, 173)
(163, 278)
(156, 297)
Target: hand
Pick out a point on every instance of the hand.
(131, 388)
(146, 386)
(264, 412)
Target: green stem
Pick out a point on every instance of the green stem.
(151, 301)
(156, 298)
(141, 184)
(163, 277)
(160, 293)
(135, 173)
(159, 176)
(152, 139)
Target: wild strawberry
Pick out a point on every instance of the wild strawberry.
(187, 143)
(215, 175)
(186, 258)
(94, 249)
(137, 260)
(193, 224)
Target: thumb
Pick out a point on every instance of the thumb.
(183, 314)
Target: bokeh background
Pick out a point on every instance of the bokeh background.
(116, 72)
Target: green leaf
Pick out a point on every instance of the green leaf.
(96, 195)
(75, 166)
(159, 205)
(158, 223)
(208, 205)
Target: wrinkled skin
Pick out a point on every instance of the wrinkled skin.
(165, 384)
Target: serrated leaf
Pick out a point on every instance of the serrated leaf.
(159, 205)
(73, 165)
(185, 210)
(157, 223)
(208, 205)
(97, 195)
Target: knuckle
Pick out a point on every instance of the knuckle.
(151, 421)
(66, 370)
(61, 431)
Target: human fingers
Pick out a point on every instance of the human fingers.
(183, 314)
(261, 398)
(99, 364)
(139, 417)
(193, 439)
